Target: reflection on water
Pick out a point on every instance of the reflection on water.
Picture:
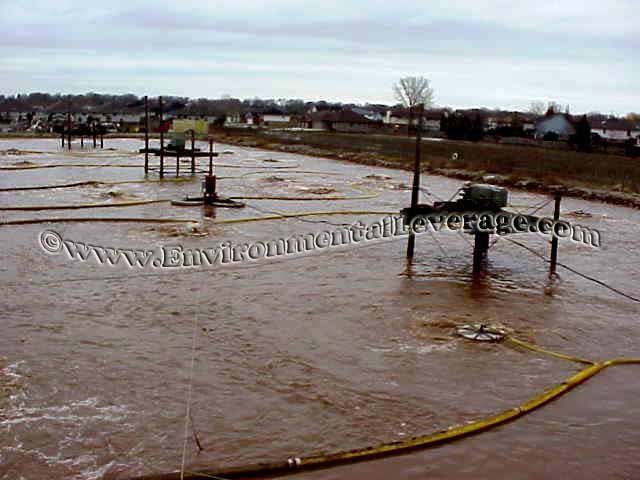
(333, 350)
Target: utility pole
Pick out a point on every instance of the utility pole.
(415, 191)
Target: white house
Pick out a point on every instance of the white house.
(396, 118)
(400, 118)
(617, 129)
(275, 119)
(369, 114)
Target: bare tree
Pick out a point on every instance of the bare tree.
(537, 107)
(411, 92)
(554, 107)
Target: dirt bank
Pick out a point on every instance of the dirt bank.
(602, 177)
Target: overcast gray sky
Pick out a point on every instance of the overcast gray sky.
(500, 53)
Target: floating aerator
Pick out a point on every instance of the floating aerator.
(479, 333)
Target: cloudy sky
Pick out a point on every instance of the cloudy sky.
(495, 53)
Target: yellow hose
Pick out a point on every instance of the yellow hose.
(367, 195)
(299, 464)
(80, 206)
(71, 165)
(177, 220)
(534, 348)
(111, 165)
(34, 221)
(296, 215)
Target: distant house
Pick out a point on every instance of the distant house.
(399, 118)
(237, 118)
(340, 121)
(274, 118)
(369, 114)
(617, 129)
(509, 123)
(560, 124)
(431, 120)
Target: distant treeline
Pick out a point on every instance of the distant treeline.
(204, 106)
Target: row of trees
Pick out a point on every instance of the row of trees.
(117, 103)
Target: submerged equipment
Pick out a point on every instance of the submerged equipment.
(479, 333)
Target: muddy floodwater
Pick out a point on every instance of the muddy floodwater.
(327, 351)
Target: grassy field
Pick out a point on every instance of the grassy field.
(525, 166)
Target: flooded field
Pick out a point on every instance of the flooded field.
(328, 351)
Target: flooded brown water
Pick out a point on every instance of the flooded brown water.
(329, 351)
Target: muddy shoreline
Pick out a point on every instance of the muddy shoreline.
(526, 184)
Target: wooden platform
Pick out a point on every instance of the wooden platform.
(186, 153)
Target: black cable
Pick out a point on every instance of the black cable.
(573, 270)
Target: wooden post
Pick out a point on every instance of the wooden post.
(81, 141)
(415, 191)
(480, 248)
(93, 132)
(101, 139)
(193, 152)
(161, 141)
(177, 163)
(62, 136)
(554, 237)
(69, 127)
(209, 194)
(211, 156)
(146, 134)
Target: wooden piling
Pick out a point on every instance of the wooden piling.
(554, 238)
(101, 139)
(81, 141)
(62, 137)
(178, 163)
(193, 152)
(146, 134)
(93, 132)
(415, 191)
(161, 140)
(211, 156)
(69, 128)
(480, 248)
